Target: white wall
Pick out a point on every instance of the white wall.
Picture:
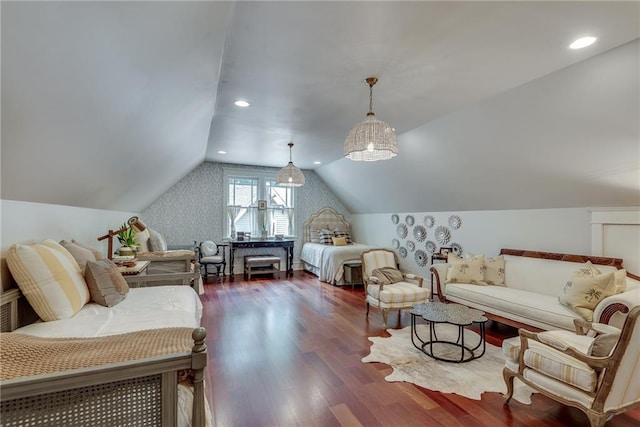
(552, 230)
(24, 222)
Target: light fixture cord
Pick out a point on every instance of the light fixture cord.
(370, 100)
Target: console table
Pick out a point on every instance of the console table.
(287, 245)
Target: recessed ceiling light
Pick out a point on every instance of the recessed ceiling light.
(241, 103)
(583, 42)
(317, 162)
(222, 152)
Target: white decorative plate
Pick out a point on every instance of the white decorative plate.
(442, 235)
(403, 252)
(395, 243)
(421, 257)
(420, 233)
(410, 220)
(455, 222)
(429, 221)
(431, 246)
(395, 219)
(456, 249)
(402, 230)
(411, 246)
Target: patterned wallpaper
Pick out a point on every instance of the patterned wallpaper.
(194, 208)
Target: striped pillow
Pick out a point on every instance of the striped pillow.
(49, 278)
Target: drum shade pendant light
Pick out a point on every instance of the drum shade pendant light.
(290, 176)
(372, 139)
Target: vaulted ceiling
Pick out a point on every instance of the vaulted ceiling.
(108, 104)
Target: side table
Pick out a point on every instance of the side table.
(131, 274)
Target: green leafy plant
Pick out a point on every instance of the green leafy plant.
(128, 236)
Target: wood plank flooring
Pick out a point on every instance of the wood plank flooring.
(286, 352)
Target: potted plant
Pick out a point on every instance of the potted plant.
(127, 239)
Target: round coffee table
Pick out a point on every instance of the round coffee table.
(453, 314)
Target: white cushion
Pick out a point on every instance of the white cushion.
(49, 278)
(208, 248)
(514, 304)
(211, 259)
(403, 293)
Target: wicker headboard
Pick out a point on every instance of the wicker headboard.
(324, 218)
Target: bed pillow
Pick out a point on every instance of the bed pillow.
(326, 237)
(345, 234)
(142, 240)
(314, 234)
(96, 253)
(80, 254)
(582, 294)
(49, 278)
(105, 282)
(387, 275)
(156, 241)
(339, 241)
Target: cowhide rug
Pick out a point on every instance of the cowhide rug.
(469, 379)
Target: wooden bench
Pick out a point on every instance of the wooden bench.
(261, 264)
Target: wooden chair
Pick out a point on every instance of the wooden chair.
(209, 254)
(600, 386)
(400, 295)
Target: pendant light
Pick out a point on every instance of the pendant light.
(290, 176)
(372, 139)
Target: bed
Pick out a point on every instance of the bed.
(140, 362)
(324, 260)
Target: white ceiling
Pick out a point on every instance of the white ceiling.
(108, 104)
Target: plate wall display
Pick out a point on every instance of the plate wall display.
(395, 219)
(442, 235)
(455, 222)
(429, 221)
(403, 251)
(420, 233)
(402, 230)
(410, 220)
(395, 243)
(456, 248)
(411, 246)
(421, 257)
(431, 246)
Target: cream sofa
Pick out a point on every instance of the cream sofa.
(532, 282)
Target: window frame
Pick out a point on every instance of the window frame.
(263, 176)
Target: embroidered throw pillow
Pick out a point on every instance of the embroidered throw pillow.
(590, 270)
(465, 271)
(493, 269)
(582, 294)
(105, 282)
(49, 278)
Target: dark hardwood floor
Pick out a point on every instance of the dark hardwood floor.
(286, 352)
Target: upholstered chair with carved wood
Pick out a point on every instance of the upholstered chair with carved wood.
(595, 369)
(386, 287)
(211, 254)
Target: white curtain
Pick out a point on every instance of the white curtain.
(233, 211)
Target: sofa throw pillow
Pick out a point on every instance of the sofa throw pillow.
(465, 271)
(387, 275)
(326, 237)
(80, 254)
(590, 270)
(345, 234)
(339, 241)
(582, 294)
(493, 269)
(49, 278)
(96, 253)
(105, 282)
(156, 241)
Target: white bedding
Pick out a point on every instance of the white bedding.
(328, 260)
(144, 308)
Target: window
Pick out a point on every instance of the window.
(244, 190)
